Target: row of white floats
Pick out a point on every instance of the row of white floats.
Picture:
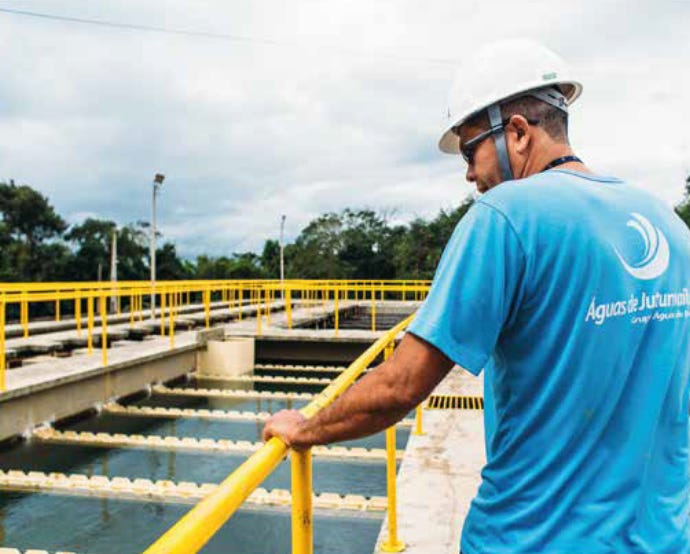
(121, 440)
(305, 368)
(4, 550)
(279, 379)
(168, 491)
(236, 394)
(219, 415)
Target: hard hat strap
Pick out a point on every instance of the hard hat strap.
(496, 123)
(552, 96)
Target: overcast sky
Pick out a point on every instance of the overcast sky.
(319, 105)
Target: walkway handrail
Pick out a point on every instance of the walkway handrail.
(72, 301)
(197, 527)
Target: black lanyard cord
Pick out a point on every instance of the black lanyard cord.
(561, 161)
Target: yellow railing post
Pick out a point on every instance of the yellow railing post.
(163, 296)
(259, 316)
(3, 360)
(89, 324)
(392, 543)
(171, 319)
(131, 310)
(57, 306)
(77, 312)
(268, 302)
(240, 301)
(104, 329)
(373, 309)
(336, 311)
(207, 306)
(418, 421)
(24, 316)
(288, 306)
(302, 510)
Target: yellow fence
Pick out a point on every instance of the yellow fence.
(197, 527)
(90, 305)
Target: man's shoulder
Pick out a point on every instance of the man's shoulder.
(554, 190)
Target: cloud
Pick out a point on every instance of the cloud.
(333, 105)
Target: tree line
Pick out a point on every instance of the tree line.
(38, 245)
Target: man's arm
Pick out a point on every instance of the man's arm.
(373, 403)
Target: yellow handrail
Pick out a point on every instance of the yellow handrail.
(259, 293)
(392, 543)
(197, 527)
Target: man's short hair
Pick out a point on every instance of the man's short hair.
(551, 119)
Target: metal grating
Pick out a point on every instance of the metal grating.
(454, 402)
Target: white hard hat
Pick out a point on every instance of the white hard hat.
(499, 72)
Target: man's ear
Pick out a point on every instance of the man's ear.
(521, 128)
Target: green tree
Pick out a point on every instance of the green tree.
(92, 240)
(417, 252)
(270, 259)
(29, 235)
(169, 267)
(683, 209)
(133, 253)
(314, 254)
(366, 245)
(246, 265)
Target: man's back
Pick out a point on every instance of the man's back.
(572, 291)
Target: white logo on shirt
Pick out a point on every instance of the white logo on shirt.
(656, 252)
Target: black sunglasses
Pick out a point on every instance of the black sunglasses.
(469, 148)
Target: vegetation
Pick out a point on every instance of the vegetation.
(683, 209)
(37, 245)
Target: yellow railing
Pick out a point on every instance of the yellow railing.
(195, 529)
(255, 297)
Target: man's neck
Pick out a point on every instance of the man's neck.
(545, 156)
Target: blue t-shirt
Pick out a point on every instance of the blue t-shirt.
(573, 293)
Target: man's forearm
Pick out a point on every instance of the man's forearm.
(372, 404)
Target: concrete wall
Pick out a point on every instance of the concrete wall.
(317, 350)
(19, 414)
(230, 357)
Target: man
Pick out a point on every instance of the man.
(571, 290)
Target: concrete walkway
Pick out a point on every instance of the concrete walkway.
(440, 473)
(42, 371)
(277, 327)
(49, 371)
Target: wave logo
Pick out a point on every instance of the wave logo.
(656, 252)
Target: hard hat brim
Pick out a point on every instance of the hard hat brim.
(450, 142)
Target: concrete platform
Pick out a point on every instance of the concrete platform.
(66, 323)
(440, 473)
(54, 388)
(52, 385)
(278, 342)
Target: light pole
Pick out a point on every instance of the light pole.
(113, 269)
(157, 183)
(282, 258)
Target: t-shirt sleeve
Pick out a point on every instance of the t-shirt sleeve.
(474, 290)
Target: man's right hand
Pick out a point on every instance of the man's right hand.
(287, 426)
